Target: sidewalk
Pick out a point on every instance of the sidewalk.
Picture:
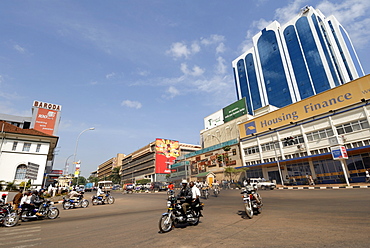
(328, 186)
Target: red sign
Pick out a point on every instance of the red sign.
(45, 120)
(166, 153)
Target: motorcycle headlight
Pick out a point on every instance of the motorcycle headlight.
(168, 204)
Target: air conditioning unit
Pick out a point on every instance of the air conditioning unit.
(301, 147)
(336, 140)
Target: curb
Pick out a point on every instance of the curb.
(330, 187)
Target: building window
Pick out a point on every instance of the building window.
(26, 147)
(352, 126)
(15, 143)
(289, 141)
(38, 147)
(269, 146)
(251, 150)
(321, 134)
(21, 172)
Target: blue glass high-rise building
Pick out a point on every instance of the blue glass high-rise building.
(287, 63)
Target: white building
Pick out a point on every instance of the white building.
(300, 140)
(24, 154)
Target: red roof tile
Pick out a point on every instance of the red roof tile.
(9, 128)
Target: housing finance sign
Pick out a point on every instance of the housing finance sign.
(46, 117)
(166, 153)
(338, 97)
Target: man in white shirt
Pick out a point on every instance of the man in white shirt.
(195, 192)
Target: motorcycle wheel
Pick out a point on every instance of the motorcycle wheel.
(66, 205)
(84, 203)
(195, 221)
(110, 200)
(52, 213)
(11, 220)
(165, 223)
(95, 201)
(248, 210)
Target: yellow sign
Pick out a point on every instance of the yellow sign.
(338, 97)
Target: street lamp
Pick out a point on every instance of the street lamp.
(66, 165)
(222, 156)
(78, 137)
(277, 160)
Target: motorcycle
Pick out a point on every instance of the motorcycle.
(74, 203)
(45, 210)
(251, 205)
(8, 216)
(102, 200)
(205, 193)
(175, 215)
(216, 191)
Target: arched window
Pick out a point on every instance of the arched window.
(21, 172)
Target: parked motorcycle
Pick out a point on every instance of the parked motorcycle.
(102, 200)
(175, 215)
(74, 203)
(45, 210)
(250, 203)
(8, 216)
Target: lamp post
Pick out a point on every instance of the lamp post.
(78, 137)
(277, 160)
(66, 165)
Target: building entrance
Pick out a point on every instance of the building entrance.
(274, 175)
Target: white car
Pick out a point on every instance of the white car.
(262, 184)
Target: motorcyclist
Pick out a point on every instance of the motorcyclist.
(195, 193)
(253, 188)
(73, 195)
(185, 196)
(100, 193)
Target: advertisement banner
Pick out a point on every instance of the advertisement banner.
(45, 117)
(166, 153)
(338, 97)
(45, 120)
(235, 110)
(214, 120)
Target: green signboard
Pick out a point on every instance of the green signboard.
(235, 110)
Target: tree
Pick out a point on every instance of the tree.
(93, 180)
(143, 181)
(115, 177)
(79, 180)
(11, 186)
(231, 172)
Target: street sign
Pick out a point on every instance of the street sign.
(32, 171)
(339, 152)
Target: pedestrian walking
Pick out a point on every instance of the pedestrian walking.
(367, 174)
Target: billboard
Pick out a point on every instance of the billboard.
(235, 110)
(214, 120)
(166, 151)
(330, 100)
(339, 152)
(45, 117)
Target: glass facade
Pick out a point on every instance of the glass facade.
(311, 53)
(298, 63)
(21, 172)
(253, 83)
(273, 71)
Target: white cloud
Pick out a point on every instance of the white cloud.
(196, 71)
(110, 75)
(220, 48)
(172, 92)
(131, 104)
(19, 48)
(213, 39)
(195, 48)
(179, 50)
(286, 13)
(221, 68)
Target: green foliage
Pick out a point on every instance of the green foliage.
(11, 186)
(93, 180)
(115, 177)
(226, 148)
(231, 172)
(143, 181)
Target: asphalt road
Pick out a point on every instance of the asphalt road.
(290, 218)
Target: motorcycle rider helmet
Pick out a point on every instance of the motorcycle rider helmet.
(184, 181)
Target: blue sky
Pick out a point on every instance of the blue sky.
(137, 70)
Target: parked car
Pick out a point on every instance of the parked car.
(262, 184)
(159, 186)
